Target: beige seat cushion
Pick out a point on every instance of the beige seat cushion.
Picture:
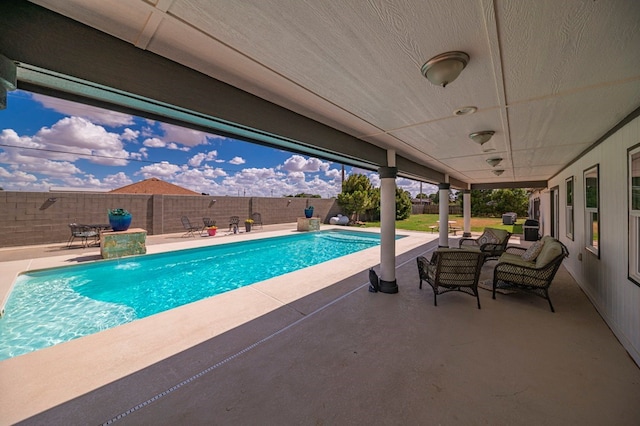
(515, 259)
(550, 250)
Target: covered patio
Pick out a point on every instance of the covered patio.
(556, 82)
(343, 355)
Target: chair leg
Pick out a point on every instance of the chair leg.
(477, 297)
(546, 293)
(495, 283)
(435, 297)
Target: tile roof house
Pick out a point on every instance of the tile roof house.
(153, 186)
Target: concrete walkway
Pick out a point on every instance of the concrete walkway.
(343, 355)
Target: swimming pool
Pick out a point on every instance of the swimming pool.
(51, 306)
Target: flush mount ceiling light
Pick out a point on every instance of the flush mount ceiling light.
(482, 137)
(497, 172)
(444, 68)
(494, 161)
(465, 110)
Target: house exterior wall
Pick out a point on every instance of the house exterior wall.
(31, 218)
(604, 280)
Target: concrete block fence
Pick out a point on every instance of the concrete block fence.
(31, 218)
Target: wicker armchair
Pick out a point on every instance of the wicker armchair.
(516, 271)
(492, 242)
(451, 270)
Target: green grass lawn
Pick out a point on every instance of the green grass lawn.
(421, 222)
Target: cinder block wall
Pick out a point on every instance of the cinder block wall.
(31, 218)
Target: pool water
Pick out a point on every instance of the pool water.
(56, 305)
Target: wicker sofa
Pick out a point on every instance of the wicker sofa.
(492, 242)
(530, 270)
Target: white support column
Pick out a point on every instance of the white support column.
(444, 214)
(388, 225)
(466, 201)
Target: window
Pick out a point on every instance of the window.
(592, 210)
(634, 214)
(569, 208)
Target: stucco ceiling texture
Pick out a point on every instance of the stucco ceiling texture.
(549, 77)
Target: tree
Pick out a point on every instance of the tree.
(493, 203)
(356, 195)
(403, 204)
(511, 200)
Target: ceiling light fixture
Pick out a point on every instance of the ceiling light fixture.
(482, 137)
(444, 68)
(494, 161)
(497, 172)
(465, 110)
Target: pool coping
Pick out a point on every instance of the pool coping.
(36, 381)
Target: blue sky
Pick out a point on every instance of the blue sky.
(48, 142)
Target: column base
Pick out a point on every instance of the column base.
(443, 246)
(466, 234)
(389, 287)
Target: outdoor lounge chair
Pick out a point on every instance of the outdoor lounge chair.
(530, 270)
(451, 270)
(233, 223)
(492, 242)
(257, 219)
(84, 232)
(207, 222)
(188, 227)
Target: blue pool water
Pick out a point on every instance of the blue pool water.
(60, 304)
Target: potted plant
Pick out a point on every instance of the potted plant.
(308, 212)
(247, 224)
(119, 219)
(211, 230)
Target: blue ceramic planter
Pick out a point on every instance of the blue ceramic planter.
(308, 212)
(120, 222)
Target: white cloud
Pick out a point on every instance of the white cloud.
(201, 157)
(297, 163)
(174, 146)
(140, 155)
(117, 180)
(130, 135)
(34, 160)
(184, 136)
(237, 160)
(334, 174)
(163, 170)
(295, 177)
(18, 180)
(268, 182)
(91, 113)
(154, 143)
(75, 135)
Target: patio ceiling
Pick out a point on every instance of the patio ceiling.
(549, 77)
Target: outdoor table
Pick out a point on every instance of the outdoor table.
(451, 223)
(99, 227)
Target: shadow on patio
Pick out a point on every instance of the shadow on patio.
(347, 356)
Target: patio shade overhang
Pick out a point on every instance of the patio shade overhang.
(355, 92)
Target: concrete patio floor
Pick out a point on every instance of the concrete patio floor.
(342, 355)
